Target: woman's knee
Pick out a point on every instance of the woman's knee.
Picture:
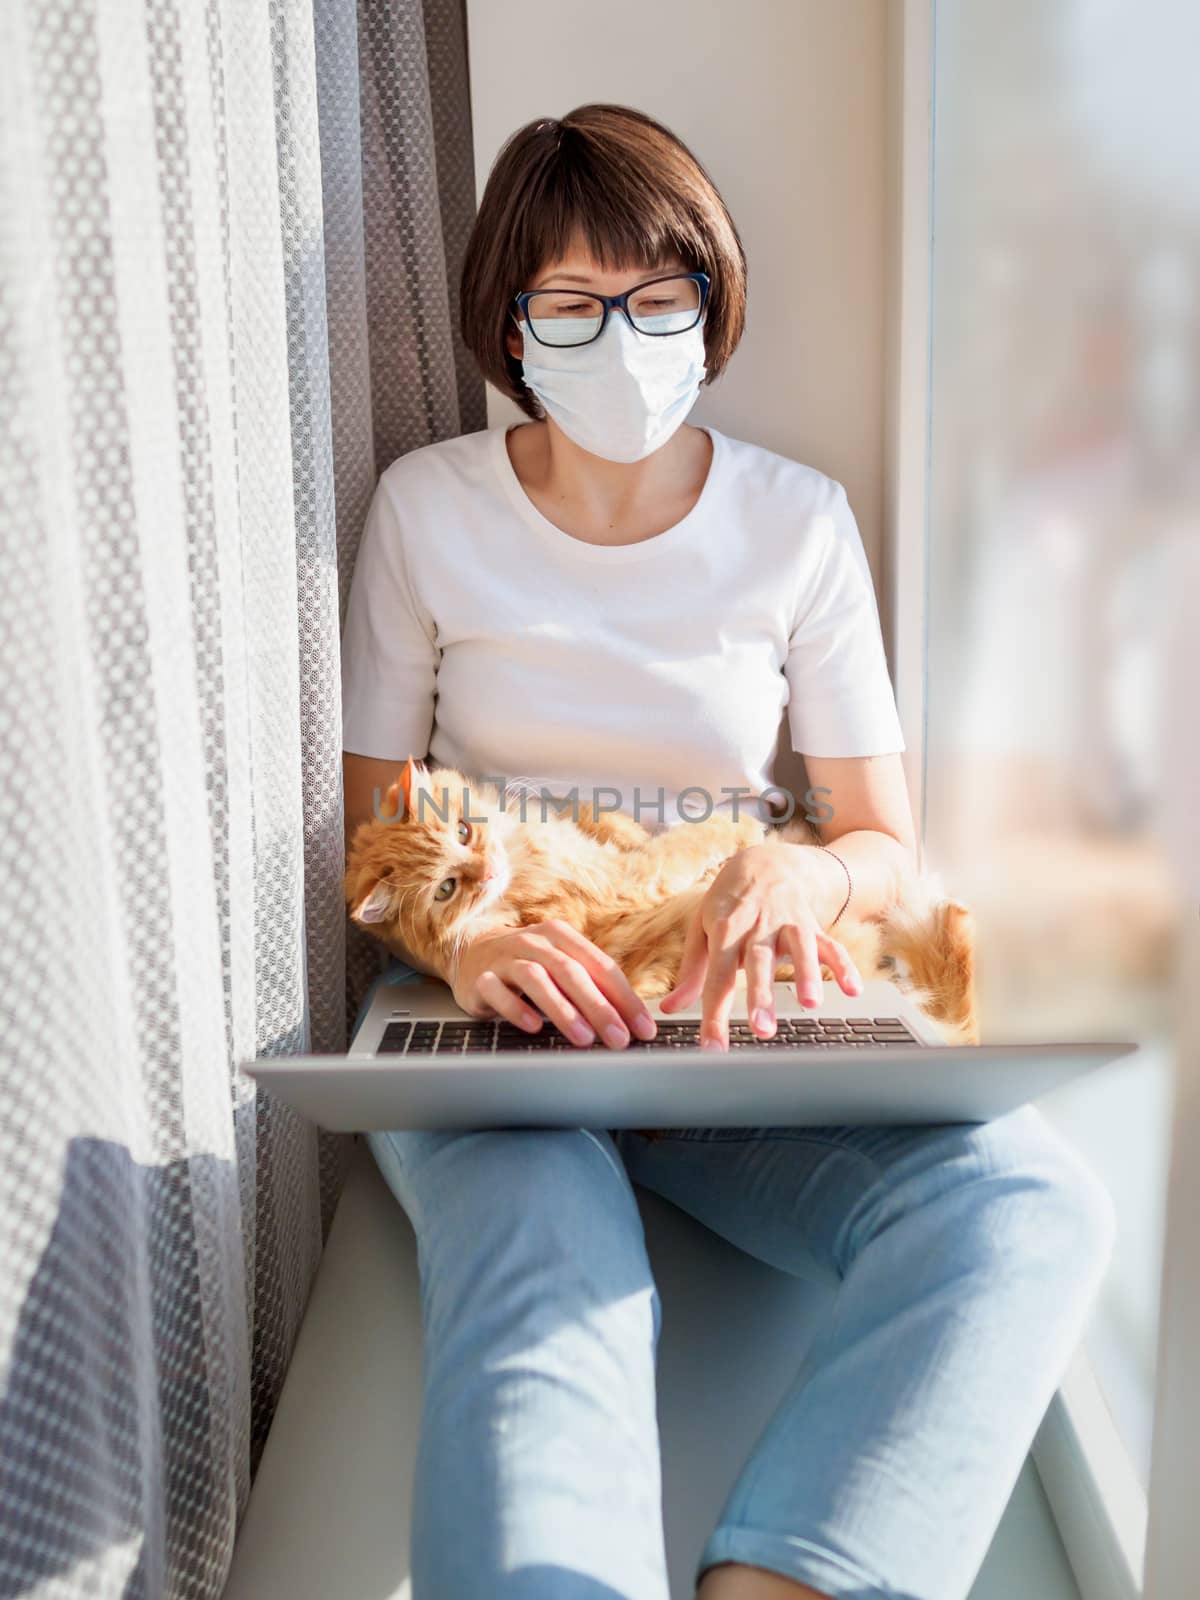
(538, 1215)
(534, 1169)
(1033, 1194)
(563, 1188)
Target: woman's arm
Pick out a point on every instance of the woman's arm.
(390, 658)
(772, 902)
(872, 823)
(361, 776)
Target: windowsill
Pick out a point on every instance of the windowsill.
(1095, 1494)
(1093, 1450)
(1120, 1122)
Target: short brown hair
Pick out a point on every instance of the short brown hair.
(633, 192)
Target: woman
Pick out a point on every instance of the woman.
(607, 596)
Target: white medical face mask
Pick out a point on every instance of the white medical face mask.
(623, 395)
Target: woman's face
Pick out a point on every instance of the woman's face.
(579, 270)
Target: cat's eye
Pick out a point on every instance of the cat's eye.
(464, 832)
(445, 889)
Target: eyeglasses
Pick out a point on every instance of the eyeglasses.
(659, 307)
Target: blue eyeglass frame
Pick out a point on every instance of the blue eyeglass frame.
(610, 301)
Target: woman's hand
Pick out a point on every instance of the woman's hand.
(579, 988)
(761, 909)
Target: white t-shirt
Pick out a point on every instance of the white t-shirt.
(479, 633)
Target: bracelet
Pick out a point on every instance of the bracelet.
(849, 881)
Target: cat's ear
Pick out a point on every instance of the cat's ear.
(393, 802)
(414, 776)
(376, 906)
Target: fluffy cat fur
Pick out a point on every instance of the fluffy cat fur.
(424, 884)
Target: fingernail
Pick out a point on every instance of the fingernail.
(762, 1020)
(644, 1025)
(580, 1033)
(811, 999)
(532, 1020)
(711, 1044)
(617, 1037)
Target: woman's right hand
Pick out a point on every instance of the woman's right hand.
(579, 988)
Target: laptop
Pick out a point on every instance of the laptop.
(417, 1060)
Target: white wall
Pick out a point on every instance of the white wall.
(784, 103)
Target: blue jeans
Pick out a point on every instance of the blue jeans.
(965, 1259)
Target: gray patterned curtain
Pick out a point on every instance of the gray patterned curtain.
(230, 235)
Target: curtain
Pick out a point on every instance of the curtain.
(230, 236)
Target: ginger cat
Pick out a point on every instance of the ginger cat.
(430, 874)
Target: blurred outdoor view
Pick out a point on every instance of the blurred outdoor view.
(1064, 553)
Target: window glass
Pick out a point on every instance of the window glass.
(1064, 491)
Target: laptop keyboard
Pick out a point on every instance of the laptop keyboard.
(484, 1038)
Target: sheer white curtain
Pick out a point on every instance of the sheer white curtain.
(229, 244)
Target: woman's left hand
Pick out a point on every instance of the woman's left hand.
(759, 911)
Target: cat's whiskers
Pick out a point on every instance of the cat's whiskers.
(403, 894)
(459, 940)
(516, 789)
